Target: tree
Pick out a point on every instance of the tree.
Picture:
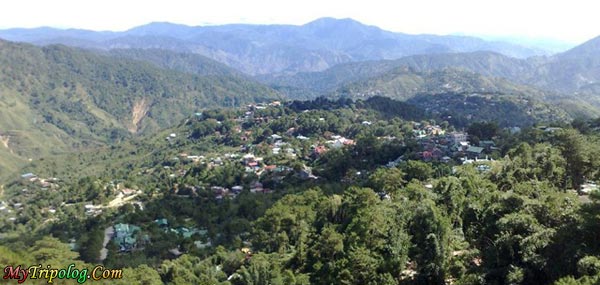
(50, 250)
(142, 275)
(451, 197)
(483, 130)
(578, 154)
(430, 231)
(387, 180)
(418, 170)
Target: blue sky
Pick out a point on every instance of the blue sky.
(572, 21)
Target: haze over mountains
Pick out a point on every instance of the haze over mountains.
(276, 52)
(262, 49)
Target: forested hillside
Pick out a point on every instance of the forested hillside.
(57, 98)
(319, 192)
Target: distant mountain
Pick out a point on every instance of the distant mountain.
(319, 83)
(55, 98)
(404, 83)
(184, 62)
(576, 70)
(543, 43)
(463, 95)
(573, 76)
(264, 49)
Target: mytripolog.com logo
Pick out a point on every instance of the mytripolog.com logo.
(36, 272)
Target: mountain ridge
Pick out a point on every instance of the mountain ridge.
(56, 98)
(263, 49)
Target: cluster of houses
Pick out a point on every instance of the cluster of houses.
(337, 141)
(220, 192)
(6, 210)
(34, 182)
(130, 237)
(202, 234)
(44, 183)
(438, 145)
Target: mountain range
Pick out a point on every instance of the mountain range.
(264, 49)
(574, 74)
(75, 89)
(317, 58)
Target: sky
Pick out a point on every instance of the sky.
(573, 21)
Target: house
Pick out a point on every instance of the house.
(237, 189)
(435, 130)
(306, 173)
(427, 155)
(162, 222)
(420, 134)
(188, 232)
(487, 144)
(218, 161)
(588, 187)
(276, 137)
(476, 160)
(256, 187)
(514, 130)
(247, 158)
(337, 143)
(28, 176)
(552, 129)
(218, 190)
(395, 162)
(474, 151)
(128, 192)
(483, 168)
(202, 245)
(457, 137)
(194, 158)
(319, 150)
(92, 210)
(125, 236)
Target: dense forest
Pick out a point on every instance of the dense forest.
(343, 193)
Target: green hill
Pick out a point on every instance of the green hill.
(56, 99)
(465, 95)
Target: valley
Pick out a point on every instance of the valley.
(331, 152)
